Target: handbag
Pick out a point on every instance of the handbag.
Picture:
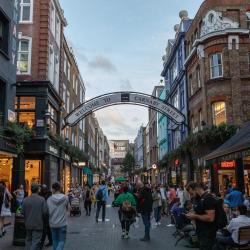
(5, 212)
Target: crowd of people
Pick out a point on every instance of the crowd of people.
(194, 211)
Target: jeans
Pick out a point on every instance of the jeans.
(223, 241)
(101, 204)
(157, 214)
(59, 237)
(146, 222)
(87, 206)
(33, 238)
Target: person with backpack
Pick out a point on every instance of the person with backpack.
(88, 202)
(208, 215)
(127, 211)
(101, 197)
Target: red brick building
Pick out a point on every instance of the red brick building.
(217, 64)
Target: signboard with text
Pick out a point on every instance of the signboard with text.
(124, 98)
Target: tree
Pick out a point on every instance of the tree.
(128, 164)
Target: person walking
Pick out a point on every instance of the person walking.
(203, 215)
(127, 211)
(34, 210)
(46, 193)
(88, 202)
(157, 205)
(101, 197)
(163, 199)
(145, 209)
(5, 198)
(58, 206)
(92, 193)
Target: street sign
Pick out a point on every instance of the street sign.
(124, 98)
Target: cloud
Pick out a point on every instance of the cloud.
(103, 63)
(126, 85)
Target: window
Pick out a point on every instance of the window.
(176, 100)
(65, 64)
(26, 11)
(56, 76)
(182, 96)
(76, 87)
(67, 105)
(64, 94)
(52, 120)
(219, 113)
(190, 80)
(198, 77)
(68, 73)
(51, 64)
(180, 63)
(200, 119)
(58, 30)
(25, 109)
(173, 71)
(216, 65)
(24, 56)
(4, 34)
(52, 18)
(73, 80)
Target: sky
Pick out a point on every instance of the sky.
(119, 46)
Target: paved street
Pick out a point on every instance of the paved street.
(85, 233)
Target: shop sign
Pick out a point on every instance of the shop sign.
(228, 164)
(11, 116)
(53, 150)
(40, 123)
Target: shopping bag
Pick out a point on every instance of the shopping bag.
(5, 211)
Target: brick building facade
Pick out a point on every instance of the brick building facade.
(217, 64)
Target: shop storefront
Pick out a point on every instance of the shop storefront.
(230, 163)
(88, 176)
(66, 177)
(7, 156)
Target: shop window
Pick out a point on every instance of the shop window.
(27, 118)
(25, 109)
(4, 33)
(219, 113)
(216, 69)
(32, 173)
(24, 56)
(26, 11)
(52, 120)
(58, 30)
(6, 171)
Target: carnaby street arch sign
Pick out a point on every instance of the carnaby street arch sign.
(118, 98)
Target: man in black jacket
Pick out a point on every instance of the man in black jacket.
(145, 208)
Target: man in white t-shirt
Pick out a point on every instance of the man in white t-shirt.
(163, 198)
(233, 228)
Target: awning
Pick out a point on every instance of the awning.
(87, 170)
(238, 143)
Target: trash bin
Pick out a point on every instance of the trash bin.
(19, 231)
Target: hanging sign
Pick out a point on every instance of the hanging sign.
(228, 164)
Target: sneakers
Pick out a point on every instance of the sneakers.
(123, 234)
(170, 225)
(126, 237)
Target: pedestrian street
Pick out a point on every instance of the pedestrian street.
(85, 234)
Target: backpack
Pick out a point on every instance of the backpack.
(99, 195)
(126, 206)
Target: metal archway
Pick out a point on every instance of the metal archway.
(118, 98)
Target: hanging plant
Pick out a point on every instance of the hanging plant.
(19, 134)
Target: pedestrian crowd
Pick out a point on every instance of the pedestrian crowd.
(204, 219)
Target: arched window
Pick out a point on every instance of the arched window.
(219, 113)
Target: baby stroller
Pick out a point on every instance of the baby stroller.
(75, 208)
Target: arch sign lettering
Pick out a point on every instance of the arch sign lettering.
(118, 98)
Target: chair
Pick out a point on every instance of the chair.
(244, 235)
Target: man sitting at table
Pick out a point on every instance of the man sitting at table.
(232, 239)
